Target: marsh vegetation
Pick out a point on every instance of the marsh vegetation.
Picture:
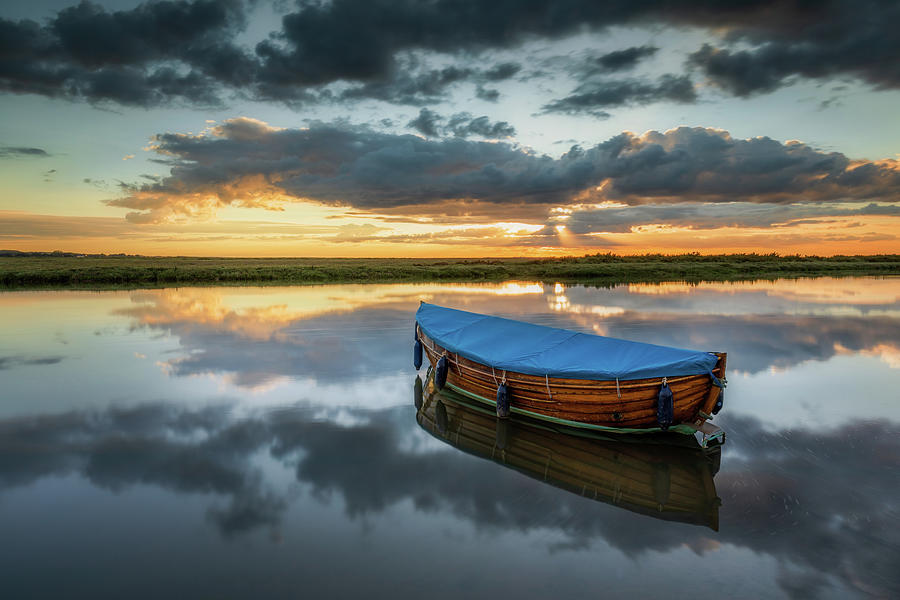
(67, 270)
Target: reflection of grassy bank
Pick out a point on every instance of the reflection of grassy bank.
(140, 271)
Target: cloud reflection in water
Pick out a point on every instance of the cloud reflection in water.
(823, 502)
(258, 336)
(819, 502)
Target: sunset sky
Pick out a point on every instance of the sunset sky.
(450, 127)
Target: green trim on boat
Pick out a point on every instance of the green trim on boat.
(680, 428)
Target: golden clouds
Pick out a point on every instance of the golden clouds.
(332, 233)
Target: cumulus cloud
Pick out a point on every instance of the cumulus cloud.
(625, 59)
(353, 40)
(244, 162)
(22, 152)
(406, 87)
(831, 39)
(501, 71)
(178, 51)
(487, 94)
(462, 124)
(7, 362)
(185, 51)
(408, 84)
(617, 60)
(593, 96)
(326, 42)
(426, 123)
(154, 53)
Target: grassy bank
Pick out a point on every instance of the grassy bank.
(144, 271)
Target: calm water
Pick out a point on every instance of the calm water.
(264, 442)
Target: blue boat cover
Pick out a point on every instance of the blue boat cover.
(537, 350)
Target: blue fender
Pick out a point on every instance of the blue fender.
(440, 373)
(665, 407)
(417, 355)
(502, 401)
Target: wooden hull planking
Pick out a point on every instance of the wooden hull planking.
(628, 406)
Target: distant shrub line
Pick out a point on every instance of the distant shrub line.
(65, 271)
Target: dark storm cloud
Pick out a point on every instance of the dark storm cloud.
(407, 85)
(426, 123)
(348, 39)
(184, 51)
(592, 97)
(154, 53)
(592, 65)
(501, 72)
(22, 152)
(247, 163)
(463, 124)
(354, 40)
(625, 59)
(166, 51)
(834, 38)
(487, 94)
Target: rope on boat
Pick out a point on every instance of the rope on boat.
(502, 378)
(547, 380)
(618, 393)
(454, 358)
(628, 386)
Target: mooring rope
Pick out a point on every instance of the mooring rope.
(618, 393)
(547, 380)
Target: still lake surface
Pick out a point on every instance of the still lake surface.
(264, 442)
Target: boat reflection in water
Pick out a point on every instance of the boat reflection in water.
(667, 477)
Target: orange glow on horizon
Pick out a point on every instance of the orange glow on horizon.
(332, 235)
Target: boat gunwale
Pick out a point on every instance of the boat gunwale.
(699, 409)
(593, 384)
(590, 375)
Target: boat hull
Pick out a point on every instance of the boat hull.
(621, 406)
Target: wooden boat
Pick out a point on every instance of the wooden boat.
(576, 379)
(646, 475)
